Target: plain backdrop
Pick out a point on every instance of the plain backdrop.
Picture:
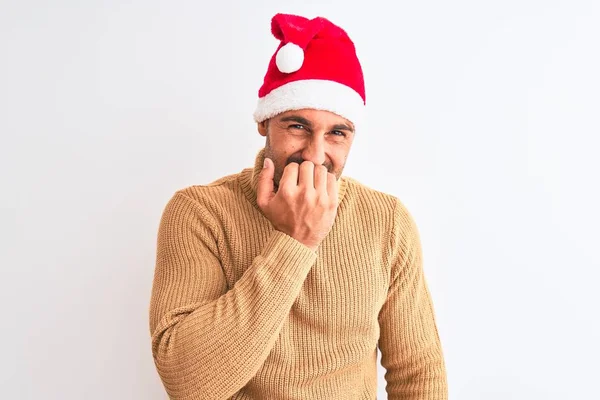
(483, 120)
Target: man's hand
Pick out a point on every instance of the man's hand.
(305, 204)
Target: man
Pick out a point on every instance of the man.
(281, 281)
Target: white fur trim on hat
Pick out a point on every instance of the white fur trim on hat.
(316, 94)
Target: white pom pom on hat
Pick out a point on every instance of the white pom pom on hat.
(289, 58)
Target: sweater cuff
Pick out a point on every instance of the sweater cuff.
(291, 257)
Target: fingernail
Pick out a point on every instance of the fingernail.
(265, 163)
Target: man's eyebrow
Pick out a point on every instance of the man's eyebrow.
(297, 118)
(342, 127)
(304, 121)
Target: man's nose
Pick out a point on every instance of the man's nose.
(315, 151)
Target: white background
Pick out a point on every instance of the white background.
(484, 121)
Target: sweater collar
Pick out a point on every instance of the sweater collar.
(249, 180)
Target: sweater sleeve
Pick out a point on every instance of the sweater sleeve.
(410, 346)
(208, 341)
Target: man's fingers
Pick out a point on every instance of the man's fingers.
(264, 191)
(332, 189)
(321, 178)
(290, 176)
(306, 175)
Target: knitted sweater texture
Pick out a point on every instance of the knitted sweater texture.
(239, 310)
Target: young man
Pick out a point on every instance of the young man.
(281, 281)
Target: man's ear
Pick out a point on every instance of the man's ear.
(262, 127)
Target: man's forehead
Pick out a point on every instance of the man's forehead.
(315, 116)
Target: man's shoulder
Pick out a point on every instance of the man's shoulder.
(377, 201)
(227, 182)
(218, 192)
(380, 205)
(365, 195)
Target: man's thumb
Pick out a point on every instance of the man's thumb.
(264, 192)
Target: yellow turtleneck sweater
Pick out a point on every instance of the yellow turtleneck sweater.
(241, 311)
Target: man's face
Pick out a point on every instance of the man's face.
(322, 137)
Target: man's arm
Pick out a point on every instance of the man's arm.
(410, 346)
(207, 341)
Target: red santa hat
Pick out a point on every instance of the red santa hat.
(315, 66)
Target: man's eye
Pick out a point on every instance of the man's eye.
(297, 126)
(339, 133)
